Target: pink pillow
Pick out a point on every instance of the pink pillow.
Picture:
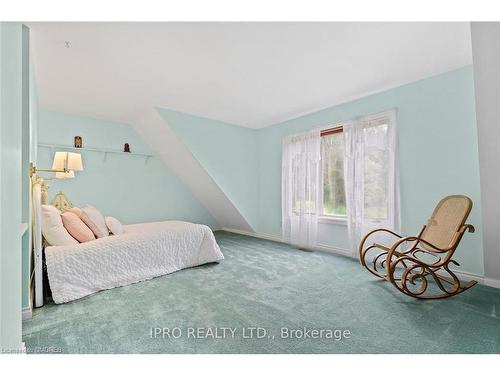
(88, 221)
(77, 211)
(76, 227)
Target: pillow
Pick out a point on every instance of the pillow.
(77, 211)
(114, 225)
(86, 220)
(76, 227)
(95, 221)
(53, 229)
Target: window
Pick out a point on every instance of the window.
(376, 158)
(332, 150)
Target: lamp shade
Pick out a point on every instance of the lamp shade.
(67, 160)
(59, 160)
(75, 161)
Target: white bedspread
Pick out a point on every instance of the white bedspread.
(142, 252)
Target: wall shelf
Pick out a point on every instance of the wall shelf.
(105, 151)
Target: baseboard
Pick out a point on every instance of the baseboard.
(270, 237)
(494, 283)
(27, 312)
(264, 236)
(466, 276)
(334, 250)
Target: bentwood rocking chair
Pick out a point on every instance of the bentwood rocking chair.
(421, 270)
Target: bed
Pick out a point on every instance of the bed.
(142, 252)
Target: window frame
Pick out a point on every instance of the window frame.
(389, 117)
(329, 218)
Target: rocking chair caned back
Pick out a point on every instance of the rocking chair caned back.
(446, 221)
(410, 270)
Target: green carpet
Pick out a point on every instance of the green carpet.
(268, 285)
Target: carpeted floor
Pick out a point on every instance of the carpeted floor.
(267, 285)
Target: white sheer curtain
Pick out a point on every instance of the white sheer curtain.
(371, 175)
(301, 188)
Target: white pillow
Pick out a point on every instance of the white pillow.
(53, 229)
(96, 217)
(114, 225)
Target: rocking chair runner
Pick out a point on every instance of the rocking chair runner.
(427, 256)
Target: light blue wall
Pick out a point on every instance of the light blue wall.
(11, 124)
(437, 139)
(124, 186)
(227, 152)
(438, 155)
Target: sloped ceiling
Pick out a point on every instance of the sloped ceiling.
(248, 74)
(227, 153)
(156, 131)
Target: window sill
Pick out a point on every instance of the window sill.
(333, 220)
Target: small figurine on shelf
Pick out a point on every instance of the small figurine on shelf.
(78, 142)
(126, 147)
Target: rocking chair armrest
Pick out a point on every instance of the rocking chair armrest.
(469, 228)
(375, 231)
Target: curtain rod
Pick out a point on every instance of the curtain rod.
(337, 129)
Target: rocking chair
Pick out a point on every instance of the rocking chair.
(422, 269)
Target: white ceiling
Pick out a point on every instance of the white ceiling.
(249, 74)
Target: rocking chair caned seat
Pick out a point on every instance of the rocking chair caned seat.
(422, 269)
